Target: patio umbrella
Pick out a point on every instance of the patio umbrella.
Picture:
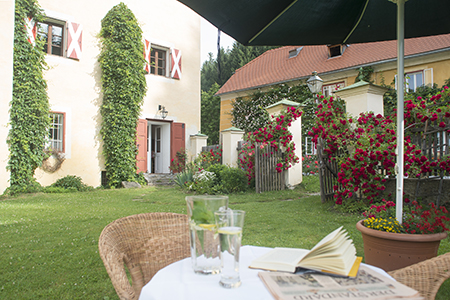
(319, 22)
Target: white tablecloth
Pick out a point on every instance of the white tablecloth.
(179, 282)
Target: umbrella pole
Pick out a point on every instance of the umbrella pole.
(400, 106)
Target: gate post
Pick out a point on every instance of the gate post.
(230, 139)
(294, 175)
(198, 140)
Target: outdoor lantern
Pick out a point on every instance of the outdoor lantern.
(163, 111)
(315, 83)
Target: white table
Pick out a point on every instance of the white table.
(179, 282)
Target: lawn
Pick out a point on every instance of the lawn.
(49, 242)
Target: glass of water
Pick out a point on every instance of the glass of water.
(229, 225)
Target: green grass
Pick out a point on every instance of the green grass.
(49, 242)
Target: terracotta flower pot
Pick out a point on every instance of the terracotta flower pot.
(391, 251)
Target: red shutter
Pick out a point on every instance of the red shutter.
(175, 71)
(74, 37)
(31, 29)
(177, 142)
(147, 51)
(141, 142)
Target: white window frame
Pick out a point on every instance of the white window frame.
(310, 148)
(427, 79)
(57, 127)
(411, 80)
(329, 89)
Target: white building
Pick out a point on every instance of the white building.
(172, 31)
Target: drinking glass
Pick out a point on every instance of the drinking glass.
(204, 240)
(229, 225)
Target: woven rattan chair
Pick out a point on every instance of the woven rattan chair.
(425, 277)
(143, 244)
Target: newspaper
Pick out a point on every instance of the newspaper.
(368, 284)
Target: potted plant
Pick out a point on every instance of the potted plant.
(391, 245)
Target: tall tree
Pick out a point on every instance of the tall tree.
(230, 61)
(213, 77)
(210, 111)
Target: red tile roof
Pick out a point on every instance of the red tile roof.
(275, 66)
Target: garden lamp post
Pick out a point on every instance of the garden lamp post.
(315, 84)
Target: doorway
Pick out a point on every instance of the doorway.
(158, 147)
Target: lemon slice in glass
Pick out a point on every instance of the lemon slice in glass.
(230, 230)
(207, 226)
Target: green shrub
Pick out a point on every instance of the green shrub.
(217, 169)
(178, 164)
(32, 187)
(209, 158)
(140, 178)
(234, 180)
(184, 178)
(204, 182)
(58, 190)
(71, 182)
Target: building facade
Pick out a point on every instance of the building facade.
(427, 61)
(171, 110)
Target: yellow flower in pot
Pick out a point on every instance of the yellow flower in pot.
(391, 245)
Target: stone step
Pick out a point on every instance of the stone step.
(159, 179)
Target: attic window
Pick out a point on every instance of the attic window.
(294, 52)
(336, 50)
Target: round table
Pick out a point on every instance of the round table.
(178, 281)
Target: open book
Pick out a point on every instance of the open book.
(334, 254)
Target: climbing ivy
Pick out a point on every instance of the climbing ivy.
(123, 87)
(249, 113)
(29, 107)
(365, 74)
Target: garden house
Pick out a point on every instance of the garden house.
(427, 61)
(170, 113)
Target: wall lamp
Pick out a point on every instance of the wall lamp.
(162, 110)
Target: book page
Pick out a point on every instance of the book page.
(330, 237)
(279, 256)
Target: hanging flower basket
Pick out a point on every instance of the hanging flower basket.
(391, 251)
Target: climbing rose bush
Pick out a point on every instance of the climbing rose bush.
(310, 165)
(275, 135)
(364, 146)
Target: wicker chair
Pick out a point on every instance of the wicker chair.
(143, 244)
(426, 277)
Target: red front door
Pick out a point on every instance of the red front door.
(141, 142)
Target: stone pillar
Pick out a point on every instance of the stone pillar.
(362, 97)
(197, 142)
(230, 139)
(6, 82)
(295, 173)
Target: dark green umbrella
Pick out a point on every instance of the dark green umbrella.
(319, 22)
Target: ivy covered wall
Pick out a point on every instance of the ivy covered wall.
(123, 88)
(29, 120)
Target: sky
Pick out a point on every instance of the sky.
(209, 40)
